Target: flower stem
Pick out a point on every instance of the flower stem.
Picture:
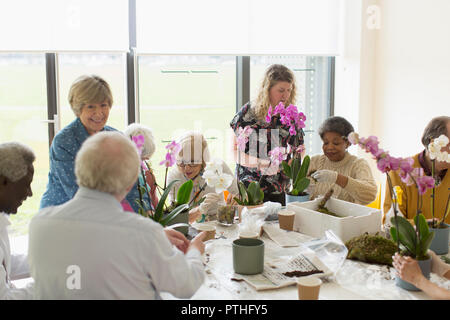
(393, 195)
(433, 224)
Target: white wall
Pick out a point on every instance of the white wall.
(391, 81)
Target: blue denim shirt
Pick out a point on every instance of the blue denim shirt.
(62, 184)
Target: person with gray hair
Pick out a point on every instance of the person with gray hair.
(408, 204)
(90, 248)
(191, 162)
(16, 175)
(150, 199)
(349, 176)
(91, 99)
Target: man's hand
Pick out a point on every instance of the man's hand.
(177, 239)
(197, 242)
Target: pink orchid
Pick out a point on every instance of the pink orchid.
(173, 147)
(277, 155)
(424, 183)
(139, 141)
(242, 138)
(169, 161)
(269, 115)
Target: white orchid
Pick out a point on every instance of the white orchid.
(435, 147)
(215, 178)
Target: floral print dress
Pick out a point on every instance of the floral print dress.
(246, 117)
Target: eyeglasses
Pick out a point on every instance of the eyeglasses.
(190, 165)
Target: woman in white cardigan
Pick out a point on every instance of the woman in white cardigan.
(191, 161)
(350, 176)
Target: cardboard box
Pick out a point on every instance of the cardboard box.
(356, 219)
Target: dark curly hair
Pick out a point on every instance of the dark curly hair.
(336, 124)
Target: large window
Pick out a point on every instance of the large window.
(313, 83)
(181, 93)
(23, 108)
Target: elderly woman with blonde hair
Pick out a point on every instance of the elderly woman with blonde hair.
(91, 99)
(191, 162)
(147, 149)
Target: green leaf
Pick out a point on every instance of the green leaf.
(425, 244)
(242, 191)
(251, 192)
(421, 226)
(160, 207)
(173, 214)
(294, 192)
(238, 201)
(286, 169)
(184, 192)
(295, 169)
(407, 234)
(305, 166)
(302, 184)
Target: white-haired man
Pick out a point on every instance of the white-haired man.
(89, 248)
(16, 175)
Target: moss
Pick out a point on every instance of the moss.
(371, 249)
(326, 211)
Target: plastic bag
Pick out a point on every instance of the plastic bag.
(330, 250)
(252, 220)
(271, 209)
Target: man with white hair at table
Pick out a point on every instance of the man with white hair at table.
(89, 248)
(16, 175)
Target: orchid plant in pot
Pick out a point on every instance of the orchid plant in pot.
(220, 181)
(163, 214)
(410, 241)
(295, 168)
(440, 242)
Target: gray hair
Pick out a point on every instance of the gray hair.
(15, 159)
(89, 89)
(194, 148)
(136, 129)
(434, 129)
(107, 162)
(336, 124)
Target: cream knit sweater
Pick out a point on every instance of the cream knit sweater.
(361, 187)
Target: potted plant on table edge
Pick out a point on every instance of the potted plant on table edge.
(442, 231)
(410, 241)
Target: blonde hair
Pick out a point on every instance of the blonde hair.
(15, 160)
(136, 129)
(89, 89)
(107, 162)
(274, 74)
(194, 148)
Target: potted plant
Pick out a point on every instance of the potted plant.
(296, 170)
(299, 182)
(220, 181)
(442, 231)
(177, 214)
(251, 197)
(414, 243)
(410, 241)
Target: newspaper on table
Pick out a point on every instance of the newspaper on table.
(277, 275)
(284, 238)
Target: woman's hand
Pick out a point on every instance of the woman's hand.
(194, 214)
(326, 176)
(407, 268)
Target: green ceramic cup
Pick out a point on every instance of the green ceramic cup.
(248, 256)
